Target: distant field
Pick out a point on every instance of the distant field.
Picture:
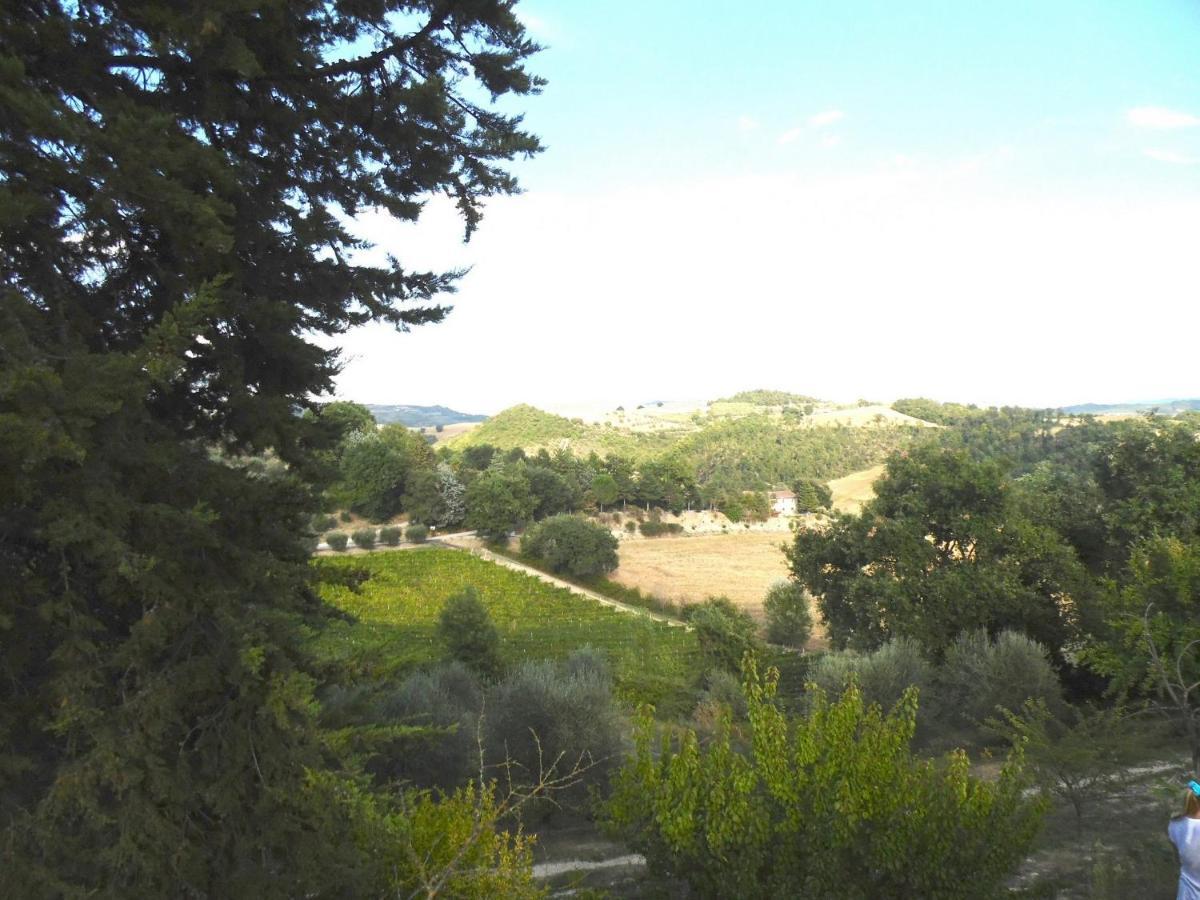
(451, 431)
(865, 416)
(396, 613)
(852, 491)
(688, 569)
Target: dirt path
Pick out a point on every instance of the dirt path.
(463, 542)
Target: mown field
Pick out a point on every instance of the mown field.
(395, 616)
(690, 569)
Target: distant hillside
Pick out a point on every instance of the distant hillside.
(1166, 407)
(531, 428)
(769, 398)
(748, 452)
(420, 416)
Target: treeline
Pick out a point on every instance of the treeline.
(385, 471)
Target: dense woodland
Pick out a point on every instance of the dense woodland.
(193, 705)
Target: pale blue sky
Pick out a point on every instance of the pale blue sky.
(893, 191)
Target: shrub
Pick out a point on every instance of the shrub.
(631, 526)
(652, 528)
(445, 703)
(439, 428)
(389, 535)
(364, 537)
(416, 533)
(724, 689)
(336, 540)
(561, 715)
(345, 516)
(323, 522)
(467, 632)
(572, 545)
(980, 674)
(724, 632)
(883, 675)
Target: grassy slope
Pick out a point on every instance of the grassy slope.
(396, 614)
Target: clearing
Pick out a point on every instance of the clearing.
(852, 491)
(742, 567)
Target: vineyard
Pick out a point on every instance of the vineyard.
(395, 613)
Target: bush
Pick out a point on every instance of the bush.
(323, 522)
(654, 529)
(980, 675)
(364, 537)
(724, 689)
(572, 545)
(416, 534)
(445, 703)
(631, 526)
(724, 632)
(883, 675)
(467, 632)
(345, 516)
(336, 540)
(561, 715)
(389, 535)
(789, 618)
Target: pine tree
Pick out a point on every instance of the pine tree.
(172, 181)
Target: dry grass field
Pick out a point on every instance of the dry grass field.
(855, 489)
(689, 569)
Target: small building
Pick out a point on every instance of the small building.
(783, 503)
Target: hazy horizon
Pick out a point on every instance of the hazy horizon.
(958, 202)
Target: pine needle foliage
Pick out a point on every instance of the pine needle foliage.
(174, 182)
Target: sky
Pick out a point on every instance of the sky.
(994, 203)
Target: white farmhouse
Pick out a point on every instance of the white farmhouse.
(783, 503)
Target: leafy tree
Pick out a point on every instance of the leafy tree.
(789, 618)
(346, 418)
(423, 497)
(942, 549)
(573, 545)
(605, 490)
(174, 183)
(830, 805)
(1150, 649)
(478, 457)
(372, 477)
(623, 473)
(466, 630)
(725, 633)
(552, 493)
(499, 502)
(1080, 755)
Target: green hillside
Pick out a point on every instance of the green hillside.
(758, 450)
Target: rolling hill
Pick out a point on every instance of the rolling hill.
(420, 416)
